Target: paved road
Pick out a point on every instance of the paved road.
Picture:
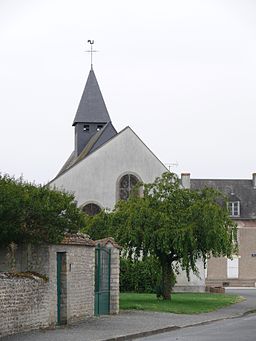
(237, 329)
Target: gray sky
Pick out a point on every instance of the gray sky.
(181, 74)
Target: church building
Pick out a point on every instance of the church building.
(105, 164)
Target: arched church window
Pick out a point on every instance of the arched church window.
(126, 185)
(91, 209)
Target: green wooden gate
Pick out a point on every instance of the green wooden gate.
(102, 280)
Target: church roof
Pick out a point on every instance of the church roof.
(96, 141)
(92, 108)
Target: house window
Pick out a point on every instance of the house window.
(91, 209)
(232, 267)
(234, 208)
(126, 185)
(86, 127)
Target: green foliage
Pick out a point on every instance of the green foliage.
(97, 227)
(182, 303)
(139, 275)
(175, 225)
(31, 214)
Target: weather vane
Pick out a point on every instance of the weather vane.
(91, 42)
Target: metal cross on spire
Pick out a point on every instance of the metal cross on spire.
(91, 42)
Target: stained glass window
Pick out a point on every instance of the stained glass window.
(126, 184)
(91, 209)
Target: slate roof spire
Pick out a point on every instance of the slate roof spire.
(92, 108)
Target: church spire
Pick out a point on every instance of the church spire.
(92, 108)
(92, 114)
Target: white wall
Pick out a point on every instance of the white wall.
(94, 179)
(198, 283)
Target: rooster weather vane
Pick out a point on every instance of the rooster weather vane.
(91, 42)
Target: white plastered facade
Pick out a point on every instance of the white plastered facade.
(95, 178)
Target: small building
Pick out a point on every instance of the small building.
(241, 196)
(63, 283)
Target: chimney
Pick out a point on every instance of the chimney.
(254, 180)
(185, 180)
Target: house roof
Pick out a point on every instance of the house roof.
(235, 190)
(77, 239)
(107, 241)
(96, 141)
(92, 108)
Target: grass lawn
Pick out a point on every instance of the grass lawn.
(181, 303)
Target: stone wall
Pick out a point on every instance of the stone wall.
(27, 303)
(114, 281)
(27, 258)
(80, 267)
(24, 304)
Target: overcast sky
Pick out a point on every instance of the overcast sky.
(181, 74)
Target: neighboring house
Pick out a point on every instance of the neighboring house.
(105, 165)
(241, 196)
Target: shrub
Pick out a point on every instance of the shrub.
(139, 275)
(31, 213)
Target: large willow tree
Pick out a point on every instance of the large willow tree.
(176, 225)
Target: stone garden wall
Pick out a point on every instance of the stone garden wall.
(79, 271)
(24, 304)
(28, 303)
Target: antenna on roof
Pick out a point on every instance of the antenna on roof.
(169, 165)
(91, 42)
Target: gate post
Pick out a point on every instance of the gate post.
(114, 281)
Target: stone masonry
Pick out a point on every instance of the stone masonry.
(31, 303)
(114, 281)
(24, 304)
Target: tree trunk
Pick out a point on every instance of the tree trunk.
(168, 278)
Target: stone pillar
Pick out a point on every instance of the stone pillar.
(114, 281)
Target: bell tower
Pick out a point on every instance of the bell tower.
(92, 114)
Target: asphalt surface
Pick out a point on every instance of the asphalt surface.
(129, 325)
(240, 329)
